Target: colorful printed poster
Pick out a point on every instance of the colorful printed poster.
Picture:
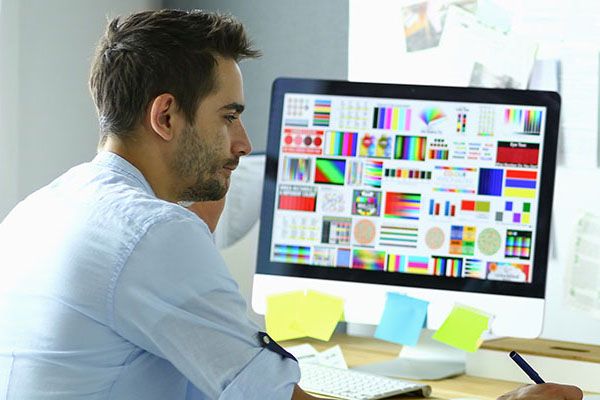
(402, 205)
(372, 260)
(506, 271)
(366, 203)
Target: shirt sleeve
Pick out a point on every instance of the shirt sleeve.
(175, 298)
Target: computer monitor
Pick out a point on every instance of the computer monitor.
(439, 193)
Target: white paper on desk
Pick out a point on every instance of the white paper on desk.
(488, 57)
(304, 352)
(332, 357)
(583, 269)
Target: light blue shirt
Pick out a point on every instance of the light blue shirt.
(107, 292)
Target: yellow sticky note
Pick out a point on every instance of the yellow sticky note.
(320, 314)
(282, 313)
(463, 328)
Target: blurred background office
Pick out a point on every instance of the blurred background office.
(48, 123)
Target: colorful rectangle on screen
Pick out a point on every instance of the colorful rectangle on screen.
(302, 141)
(298, 198)
(291, 254)
(462, 240)
(518, 154)
(343, 258)
(524, 121)
(339, 143)
(376, 145)
(447, 266)
(373, 172)
(518, 244)
(520, 183)
(394, 118)
(490, 181)
(507, 271)
(405, 173)
(297, 169)
(372, 260)
(398, 236)
(408, 264)
(336, 230)
(444, 208)
(474, 268)
(366, 203)
(322, 113)
(410, 148)
(402, 205)
(330, 171)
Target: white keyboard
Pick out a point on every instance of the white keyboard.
(353, 385)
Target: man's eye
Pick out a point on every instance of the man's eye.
(231, 117)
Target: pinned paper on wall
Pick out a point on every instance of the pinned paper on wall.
(463, 328)
(297, 314)
(583, 270)
(402, 319)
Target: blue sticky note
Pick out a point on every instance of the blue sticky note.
(402, 319)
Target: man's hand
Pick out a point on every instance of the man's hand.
(545, 391)
(209, 211)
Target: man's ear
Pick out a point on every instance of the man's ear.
(164, 116)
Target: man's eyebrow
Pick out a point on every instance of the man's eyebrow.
(237, 107)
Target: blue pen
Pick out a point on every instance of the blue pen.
(525, 367)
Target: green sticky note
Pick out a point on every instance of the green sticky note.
(463, 328)
(320, 314)
(282, 313)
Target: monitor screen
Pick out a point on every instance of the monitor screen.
(413, 186)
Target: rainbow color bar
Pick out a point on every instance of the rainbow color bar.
(394, 118)
(410, 148)
(447, 266)
(372, 260)
(373, 173)
(518, 244)
(402, 205)
(408, 264)
(526, 121)
(291, 254)
(322, 112)
(341, 143)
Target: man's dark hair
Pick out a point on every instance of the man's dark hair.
(155, 52)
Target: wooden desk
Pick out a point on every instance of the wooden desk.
(359, 351)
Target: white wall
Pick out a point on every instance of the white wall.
(50, 124)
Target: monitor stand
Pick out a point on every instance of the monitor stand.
(429, 360)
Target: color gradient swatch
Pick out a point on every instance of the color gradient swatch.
(411, 148)
(402, 205)
(330, 171)
(372, 260)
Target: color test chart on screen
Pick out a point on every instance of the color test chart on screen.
(408, 186)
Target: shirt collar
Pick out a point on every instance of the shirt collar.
(118, 163)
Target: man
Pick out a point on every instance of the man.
(111, 290)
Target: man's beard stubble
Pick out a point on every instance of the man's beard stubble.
(193, 158)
